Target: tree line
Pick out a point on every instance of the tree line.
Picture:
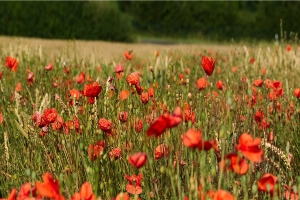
(122, 20)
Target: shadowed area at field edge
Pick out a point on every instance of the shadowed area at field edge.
(105, 50)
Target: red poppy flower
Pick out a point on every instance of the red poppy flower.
(259, 115)
(249, 147)
(163, 122)
(202, 83)
(96, 149)
(258, 82)
(80, 78)
(144, 97)
(18, 87)
(27, 191)
(252, 60)
(30, 78)
(49, 188)
(75, 94)
(58, 124)
(151, 92)
(123, 116)
(234, 69)
(49, 67)
(290, 193)
(1, 117)
(92, 90)
(288, 48)
(133, 79)
(223, 195)
(85, 193)
(236, 164)
(105, 125)
(135, 182)
(138, 160)
(119, 71)
(122, 196)
(50, 115)
(12, 195)
(297, 92)
(158, 127)
(208, 145)
(176, 118)
(138, 127)
(208, 64)
(119, 68)
(220, 85)
(115, 153)
(124, 94)
(160, 151)
(128, 55)
(267, 181)
(1, 74)
(192, 138)
(11, 63)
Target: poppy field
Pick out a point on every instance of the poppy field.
(163, 125)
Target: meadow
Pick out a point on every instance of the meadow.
(96, 120)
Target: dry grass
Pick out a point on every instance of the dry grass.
(104, 50)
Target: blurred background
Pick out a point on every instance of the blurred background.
(152, 21)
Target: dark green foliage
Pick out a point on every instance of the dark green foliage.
(117, 21)
(64, 20)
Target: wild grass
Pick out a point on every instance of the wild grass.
(26, 155)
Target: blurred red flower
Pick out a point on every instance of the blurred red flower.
(220, 85)
(49, 67)
(192, 138)
(50, 115)
(258, 82)
(27, 192)
(123, 116)
(138, 160)
(223, 195)
(208, 64)
(58, 124)
(122, 196)
(151, 92)
(144, 97)
(160, 151)
(135, 182)
(297, 92)
(236, 164)
(92, 90)
(290, 193)
(124, 94)
(85, 193)
(267, 183)
(138, 127)
(163, 122)
(128, 55)
(288, 48)
(11, 63)
(96, 149)
(249, 147)
(30, 78)
(18, 87)
(133, 79)
(75, 94)
(80, 78)
(202, 83)
(49, 188)
(115, 153)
